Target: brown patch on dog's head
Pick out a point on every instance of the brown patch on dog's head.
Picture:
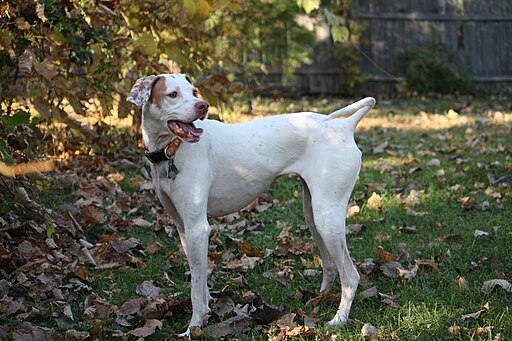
(158, 91)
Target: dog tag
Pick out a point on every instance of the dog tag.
(172, 170)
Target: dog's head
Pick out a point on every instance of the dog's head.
(172, 100)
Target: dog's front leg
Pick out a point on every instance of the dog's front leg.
(196, 236)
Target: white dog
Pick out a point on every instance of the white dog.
(223, 167)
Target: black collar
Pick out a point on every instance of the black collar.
(162, 154)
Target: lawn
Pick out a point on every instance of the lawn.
(430, 224)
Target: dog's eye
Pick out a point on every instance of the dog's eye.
(173, 94)
(194, 92)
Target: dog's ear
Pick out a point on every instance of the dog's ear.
(141, 90)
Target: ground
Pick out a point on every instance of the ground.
(429, 227)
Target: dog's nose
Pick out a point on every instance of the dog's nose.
(202, 107)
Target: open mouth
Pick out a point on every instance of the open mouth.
(188, 132)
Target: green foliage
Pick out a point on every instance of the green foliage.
(431, 70)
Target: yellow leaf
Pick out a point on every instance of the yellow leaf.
(134, 8)
(5, 38)
(190, 6)
(204, 9)
(375, 202)
(146, 44)
(308, 5)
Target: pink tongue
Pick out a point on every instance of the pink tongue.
(186, 131)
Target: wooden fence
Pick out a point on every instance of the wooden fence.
(477, 32)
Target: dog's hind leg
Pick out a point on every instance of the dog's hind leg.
(330, 222)
(328, 266)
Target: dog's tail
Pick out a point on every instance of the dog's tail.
(358, 109)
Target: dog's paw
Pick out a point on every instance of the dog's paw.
(338, 320)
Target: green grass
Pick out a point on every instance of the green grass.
(430, 303)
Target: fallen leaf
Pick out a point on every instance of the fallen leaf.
(434, 163)
(148, 329)
(427, 265)
(375, 202)
(250, 250)
(140, 222)
(369, 332)
(223, 305)
(408, 274)
(353, 210)
(381, 237)
(462, 282)
(388, 300)
(389, 269)
(375, 186)
(476, 315)
(380, 148)
(480, 234)
(286, 321)
(384, 255)
(132, 307)
(266, 313)
(25, 331)
(75, 335)
(355, 228)
(492, 284)
(86, 257)
(154, 248)
(234, 325)
(467, 203)
(148, 289)
(369, 293)
(123, 245)
(243, 264)
(412, 199)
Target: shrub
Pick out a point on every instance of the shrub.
(431, 70)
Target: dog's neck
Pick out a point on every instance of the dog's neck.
(155, 133)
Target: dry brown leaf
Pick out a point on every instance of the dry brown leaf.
(476, 315)
(355, 228)
(427, 265)
(369, 293)
(132, 307)
(353, 210)
(223, 305)
(148, 329)
(375, 202)
(492, 284)
(462, 282)
(124, 245)
(389, 269)
(382, 236)
(266, 313)
(243, 264)
(408, 274)
(140, 222)
(375, 186)
(369, 332)
(384, 255)
(467, 203)
(480, 234)
(134, 261)
(250, 250)
(412, 199)
(86, 257)
(148, 289)
(92, 215)
(154, 248)
(234, 325)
